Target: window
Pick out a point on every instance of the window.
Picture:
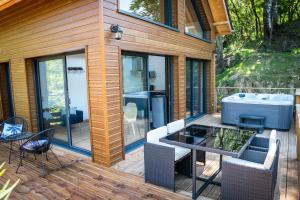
(193, 24)
(155, 10)
(195, 88)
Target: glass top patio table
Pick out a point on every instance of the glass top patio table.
(223, 141)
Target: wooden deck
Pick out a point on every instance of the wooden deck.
(79, 179)
(287, 183)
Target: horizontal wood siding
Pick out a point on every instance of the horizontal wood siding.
(141, 36)
(39, 28)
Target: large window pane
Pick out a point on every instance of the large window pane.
(156, 10)
(192, 23)
(194, 88)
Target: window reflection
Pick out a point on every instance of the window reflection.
(192, 23)
(155, 10)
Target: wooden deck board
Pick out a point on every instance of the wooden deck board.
(79, 179)
(287, 182)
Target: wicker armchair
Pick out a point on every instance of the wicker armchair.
(253, 176)
(39, 144)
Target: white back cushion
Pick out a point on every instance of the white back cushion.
(153, 136)
(175, 126)
(272, 139)
(270, 156)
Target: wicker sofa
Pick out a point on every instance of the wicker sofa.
(162, 160)
(252, 176)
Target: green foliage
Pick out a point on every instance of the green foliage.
(229, 140)
(55, 83)
(261, 69)
(247, 20)
(6, 190)
(147, 8)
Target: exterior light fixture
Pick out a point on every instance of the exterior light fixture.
(117, 31)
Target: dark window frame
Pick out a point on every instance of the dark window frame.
(191, 96)
(201, 23)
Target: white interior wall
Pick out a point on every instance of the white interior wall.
(77, 84)
(158, 64)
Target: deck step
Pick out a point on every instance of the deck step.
(254, 117)
(247, 125)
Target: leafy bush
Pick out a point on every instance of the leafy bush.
(6, 190)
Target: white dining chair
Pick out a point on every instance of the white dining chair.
(175, 126)
(130, 116)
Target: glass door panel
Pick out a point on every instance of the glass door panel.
(188, 88)
(196, 88)
(78, 102)
(53, 98)
(158, 93)
(135, 97)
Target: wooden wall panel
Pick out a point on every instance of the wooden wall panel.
(40, 28)
(63, 26)
(141, 36)
(31, 95)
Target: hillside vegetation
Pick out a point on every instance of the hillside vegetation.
(255, 65)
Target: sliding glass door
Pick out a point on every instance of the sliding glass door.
(135, 97)
(62, 99)
(53, 96)
(195, 88)
(146, 94)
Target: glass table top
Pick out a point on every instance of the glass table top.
(205, 137)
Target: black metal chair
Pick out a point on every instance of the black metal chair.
(13, 121)
(39, 144)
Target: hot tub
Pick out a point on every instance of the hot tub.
(276, 108)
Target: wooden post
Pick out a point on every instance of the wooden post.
(297, 96)
(297, 129)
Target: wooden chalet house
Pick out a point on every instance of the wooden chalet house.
(105, 72)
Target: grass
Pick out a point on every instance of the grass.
(263, 69)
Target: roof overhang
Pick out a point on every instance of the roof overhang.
(221, 17)
(7, 3)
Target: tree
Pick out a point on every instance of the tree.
(147, 8)
(268, 24)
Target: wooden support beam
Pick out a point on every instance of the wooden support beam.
(221, 23)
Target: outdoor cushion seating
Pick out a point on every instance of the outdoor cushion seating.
(153, 137)
(11, 129)
(12, 126)
(262, 143)
(175, 126)
(252, 176)
(162, 160)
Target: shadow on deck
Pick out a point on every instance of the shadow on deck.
(287, 183)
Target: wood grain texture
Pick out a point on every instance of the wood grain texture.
(56, 27)
(79, 179)
(287, 187)
(53, 28)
